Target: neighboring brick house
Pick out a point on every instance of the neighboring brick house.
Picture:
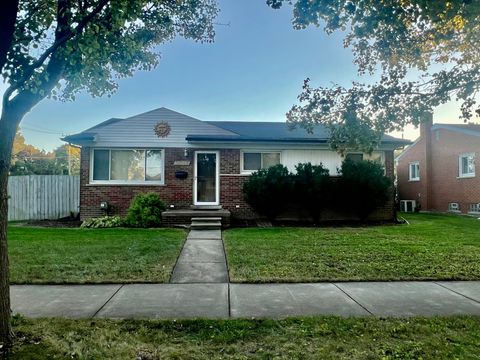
(437, 172)
(194, 163)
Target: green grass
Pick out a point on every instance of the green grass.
(310, 338)
(432, 247)
(54, 255)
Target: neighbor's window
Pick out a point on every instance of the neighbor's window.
(455, 207)
(127, 165)
(466, 165)
(414, 171)
(253, 161)
(475, 208)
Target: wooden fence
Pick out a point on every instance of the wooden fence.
(39, 197)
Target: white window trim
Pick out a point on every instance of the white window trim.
(410, 178)
(268, 151)
(466, 175)
(125, 182)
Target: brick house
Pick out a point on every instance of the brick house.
(437, 172)
(194, 164)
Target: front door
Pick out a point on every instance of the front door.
(206, 182)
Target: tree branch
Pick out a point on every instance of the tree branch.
(8, 17)
(25, 100)
(59, 41)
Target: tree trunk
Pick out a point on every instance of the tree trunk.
(8, 127)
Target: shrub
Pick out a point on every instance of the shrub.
(363, 187)
(145, 211)
(102, 222)
(267, 191)
(312, 188)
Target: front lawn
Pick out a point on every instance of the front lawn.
(310, 338)
(432, 247)
(60, 255)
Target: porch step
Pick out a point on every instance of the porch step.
(208, 225)
(203, 219)
(186, 217)
(206, 207)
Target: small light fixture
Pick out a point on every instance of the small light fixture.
(185, 152)
(172, 206)
(104, 205)
(237, 206)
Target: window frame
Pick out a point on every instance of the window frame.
(474, 211)
(355, 153)
(125, 182)
(249, 172)
(417, 165)
(460, 160)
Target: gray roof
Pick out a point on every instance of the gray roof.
(468, 129)
(274, 131)
(138, 131)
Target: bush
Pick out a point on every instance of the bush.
(145, 211)
(312, 188)
(268, 191)
(362, 187)
(102, 222)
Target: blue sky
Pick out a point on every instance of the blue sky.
(253, 71)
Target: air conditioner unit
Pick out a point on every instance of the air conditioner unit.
(408, 205)
(453, 206)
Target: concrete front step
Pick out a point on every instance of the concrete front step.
(206, 207)
(206, 219)
(206, 225)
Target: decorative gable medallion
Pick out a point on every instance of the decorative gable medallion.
(162, 129)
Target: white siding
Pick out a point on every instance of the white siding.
(39, 197)
(330, 159)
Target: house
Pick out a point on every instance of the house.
(438, 171)
(194, 164)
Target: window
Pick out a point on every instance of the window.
(414, 171)
(408, 205)
(127, 166)
(354, 157)
(466, 165)
(475, 208)
(377, 156)
(453, 207)
(253, 161)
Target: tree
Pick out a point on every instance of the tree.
(57, 48)
(67, 158)
(426, 54)
(21, 147)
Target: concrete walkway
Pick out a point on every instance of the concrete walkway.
(202, 259)
(167, 301)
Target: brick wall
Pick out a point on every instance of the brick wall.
(443, 184)
(179, 192)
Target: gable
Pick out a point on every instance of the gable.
(138, 131)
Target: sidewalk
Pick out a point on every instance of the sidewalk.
(215, 301)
